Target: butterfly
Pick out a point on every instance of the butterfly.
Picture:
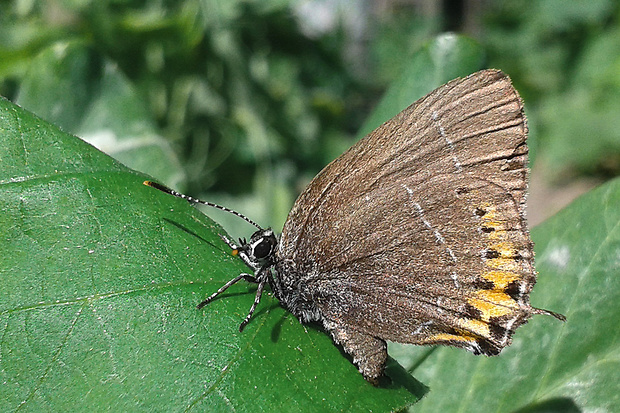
(416, 234)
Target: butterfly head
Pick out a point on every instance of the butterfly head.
(261, 247)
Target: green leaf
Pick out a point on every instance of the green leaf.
(69, 86)
(100, 280)
(551, 366)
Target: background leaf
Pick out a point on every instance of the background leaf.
(551, 366)
(100, 281)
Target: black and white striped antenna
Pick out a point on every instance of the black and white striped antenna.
(198, 201)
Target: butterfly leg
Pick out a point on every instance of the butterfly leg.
(369, 353)
(240, 252)
(245, 276)
(261, 279)
(229, 242)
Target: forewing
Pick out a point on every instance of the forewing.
(416, 234)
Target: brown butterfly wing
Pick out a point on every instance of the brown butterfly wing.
(417, 234)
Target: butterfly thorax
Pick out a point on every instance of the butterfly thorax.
(289, 287)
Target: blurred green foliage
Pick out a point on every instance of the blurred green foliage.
(231, 98)
(564, 57)
(241, 98)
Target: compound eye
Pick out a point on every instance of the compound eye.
(262, 249)
(262, 244)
